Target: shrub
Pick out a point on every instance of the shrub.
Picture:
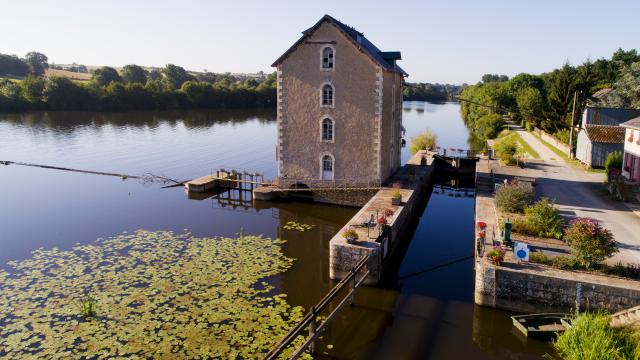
(613, 161)
(350, 234)
(489, 126)
(591, 338)
(396, 194)
(423, 141)
(506, 149)
(590, 242)
(529, 126)
(562, 135)
(514, 197)
(543, 219)
(539, 257)
(496, 254)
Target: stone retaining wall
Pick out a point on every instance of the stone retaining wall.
(529, 288)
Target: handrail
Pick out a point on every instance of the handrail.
(309, 320)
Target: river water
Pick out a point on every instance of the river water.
(423, 310)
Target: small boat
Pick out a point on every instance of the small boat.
(541, 326)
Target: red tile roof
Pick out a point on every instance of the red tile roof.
(610, 134)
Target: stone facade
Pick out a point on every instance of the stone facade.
(366, 110)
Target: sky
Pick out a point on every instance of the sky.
(441, 41)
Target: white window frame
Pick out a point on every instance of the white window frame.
(333, 49)
(333, 129)
(333, 166)
(333, 95)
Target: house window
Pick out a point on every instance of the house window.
(327, 58)
(327, 95)
(327, 167)
(327, 129)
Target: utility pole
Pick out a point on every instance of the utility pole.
(573, 119)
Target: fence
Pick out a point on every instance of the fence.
(310, 321)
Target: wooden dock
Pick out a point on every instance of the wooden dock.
(225, 179)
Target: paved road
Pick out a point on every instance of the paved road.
(579, 193)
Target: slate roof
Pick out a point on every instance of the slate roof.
(632, 124)
(609, 134)
(602, 92)
(385, 59)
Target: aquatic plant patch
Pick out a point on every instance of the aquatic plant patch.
(155, 295)
(292, 225)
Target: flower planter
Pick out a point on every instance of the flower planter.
(352, 239)
(497, 260)
(396, 201)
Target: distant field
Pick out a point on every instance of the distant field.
(69, 74)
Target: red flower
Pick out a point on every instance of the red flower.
(382, 220)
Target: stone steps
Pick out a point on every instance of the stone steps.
(629, 317)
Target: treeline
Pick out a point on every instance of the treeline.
(131, 88)
(546, 100)
(431, 92)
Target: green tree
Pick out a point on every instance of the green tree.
(38, 62)
(133, 74)
(12, 65)
(175, 76)
(105, 75)
(487, 78)
(561, 92)
(627, 87)
(530, 105)
(32, 88)
(489, 126)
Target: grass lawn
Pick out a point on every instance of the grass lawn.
(565, 157)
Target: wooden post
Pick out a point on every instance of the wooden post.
(312, 330)
(352, 282)
(573, 117)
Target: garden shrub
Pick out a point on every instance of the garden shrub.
(506, 149)
(514, 197)
(543, 219)
(613, 161)
(591, 338)
(590, 242)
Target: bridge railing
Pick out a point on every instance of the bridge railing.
(310, 320)
(455, 152)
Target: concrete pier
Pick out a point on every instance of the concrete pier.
(412, 181)
(221, 179)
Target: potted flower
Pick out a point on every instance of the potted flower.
(496, 255)
(388, 212)
(350, 235)
(396, 198)
(482, 225)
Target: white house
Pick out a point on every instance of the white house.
(631, 160)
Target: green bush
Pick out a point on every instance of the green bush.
(489, 126)
(562, 135)
(543, 219)
(422, 141)
(506, 149)
(613, 161)
(529, 126)
(590, 242)
(591, 338)
(514, 197)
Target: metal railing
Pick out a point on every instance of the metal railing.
(310, 320)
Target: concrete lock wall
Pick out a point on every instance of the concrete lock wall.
(344, 256)
(538, 288)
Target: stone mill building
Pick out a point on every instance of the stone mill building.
(339, 108)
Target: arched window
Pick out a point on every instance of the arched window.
(327, 58)
(327, 95)
(327, 129)
(327, 167)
